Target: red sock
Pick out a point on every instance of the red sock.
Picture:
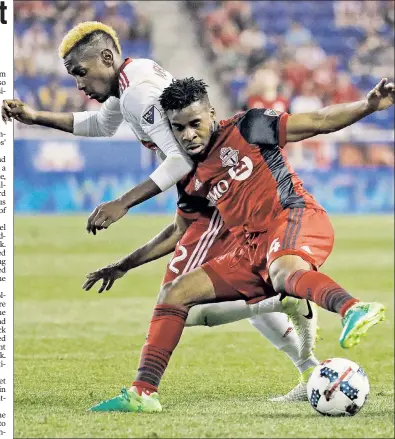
(320, 289)
(164, 333)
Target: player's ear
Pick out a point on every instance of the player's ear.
(212, 114)
(107, 57)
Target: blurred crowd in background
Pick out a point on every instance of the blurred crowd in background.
(291, 56)
(41, 80)
(299, 55)
(302, 55)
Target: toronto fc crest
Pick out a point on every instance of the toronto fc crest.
(229, 157)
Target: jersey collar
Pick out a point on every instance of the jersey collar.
(125, 63)
(123, 79)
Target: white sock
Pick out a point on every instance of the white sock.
(281, 333)
(214, 314)
(272, 304)
(273, 325)
(309, 362)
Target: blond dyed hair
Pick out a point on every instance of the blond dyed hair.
(80, 31)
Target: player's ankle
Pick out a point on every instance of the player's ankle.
(141, 387)
(140, 390)
(307, 364)
(304, 377)
(347, 305)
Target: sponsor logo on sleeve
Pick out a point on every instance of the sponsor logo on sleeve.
(270, 113)
(152, 115)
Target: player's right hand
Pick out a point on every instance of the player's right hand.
(16, 109)
(108, 275)
(105, 214)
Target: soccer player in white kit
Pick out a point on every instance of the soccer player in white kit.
(129, 90)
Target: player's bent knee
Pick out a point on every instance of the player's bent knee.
(163, 293)
(278, 280)
(188, 290)
(278, 274)
(174, 293)
(282, 267)
(169, 294)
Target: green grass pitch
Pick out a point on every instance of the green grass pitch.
(74, 348)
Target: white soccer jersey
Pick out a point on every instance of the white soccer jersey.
(141, 83)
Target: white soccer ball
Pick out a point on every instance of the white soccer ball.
(338, 387)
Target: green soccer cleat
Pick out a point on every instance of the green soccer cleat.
(357, 320)
(130, 401)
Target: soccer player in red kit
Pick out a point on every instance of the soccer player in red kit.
(197, 235)
(242, 168)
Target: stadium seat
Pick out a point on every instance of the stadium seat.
(382, 119)
(67, 82)
(137, 48)
(20, 27)
(100, 8)
(236, 87)
(355, 33)
(127, 11)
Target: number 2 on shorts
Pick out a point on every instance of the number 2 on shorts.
(178, 258)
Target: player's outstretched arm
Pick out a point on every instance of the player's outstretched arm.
(102, 123)
(335, 117)
(161, 245)
(16, 109)
(110, 212)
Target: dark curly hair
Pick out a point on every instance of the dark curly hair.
(183, 92)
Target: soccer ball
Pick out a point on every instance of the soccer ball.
(338, 387)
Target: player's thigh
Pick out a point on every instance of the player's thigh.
(204, 239)
(302, 235)
(189, 289)
(235, 278)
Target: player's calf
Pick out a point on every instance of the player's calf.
(167, 325)
(288, 276)
(292, 275)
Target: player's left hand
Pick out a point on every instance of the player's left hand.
(104, 215)
(382, 96)
(108, 275)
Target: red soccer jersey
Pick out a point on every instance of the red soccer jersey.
(246, 173)
(191, 207)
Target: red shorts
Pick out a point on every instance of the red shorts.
(305, 232)
(205, 239)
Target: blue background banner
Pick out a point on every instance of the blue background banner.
(68, 176)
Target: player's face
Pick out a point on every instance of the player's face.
(192, 127)
(95, 76)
